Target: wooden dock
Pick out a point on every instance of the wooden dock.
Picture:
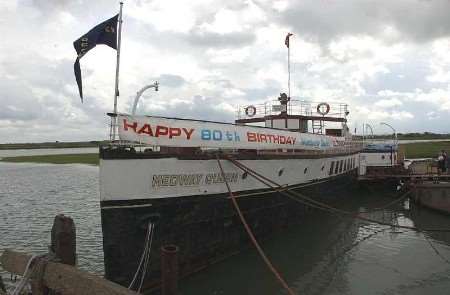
(56, 271)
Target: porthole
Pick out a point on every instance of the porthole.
(244, 175)
(280, 172)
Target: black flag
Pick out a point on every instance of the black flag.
(104, 33)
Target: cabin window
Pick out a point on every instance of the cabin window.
(306, 170)
(336, 169)
(331, 168)
(341, 163)
(244, 175)
(382, 157)
(280, 172)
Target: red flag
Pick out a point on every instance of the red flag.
(287, 39)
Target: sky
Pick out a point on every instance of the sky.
(388, 60)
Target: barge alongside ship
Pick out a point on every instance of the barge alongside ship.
(164, 176)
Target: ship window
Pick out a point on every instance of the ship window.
(244, 175)
(323, 167)
(382, 157)
(331, 168)
(306, 170)
(336, 169)
(341, 163)
(280, 172)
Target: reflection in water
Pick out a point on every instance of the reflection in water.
(327, 254)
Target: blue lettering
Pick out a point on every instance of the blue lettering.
(206, 134)
(217, 135)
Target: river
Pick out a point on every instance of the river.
(326, 255)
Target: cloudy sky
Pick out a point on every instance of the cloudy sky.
(389, 60)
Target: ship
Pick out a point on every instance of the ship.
(168, 181)
(163, 177)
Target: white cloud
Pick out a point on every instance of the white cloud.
(388, 103)
(211, 55)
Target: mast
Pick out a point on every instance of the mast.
(116, 89)
(289, 70)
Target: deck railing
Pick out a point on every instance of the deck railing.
(294, 107)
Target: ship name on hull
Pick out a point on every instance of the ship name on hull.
(170, 180)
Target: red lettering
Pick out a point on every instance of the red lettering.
(146, 130)
(126, 125)
(289, 140)
(282, 139)
(161, 130)
(188, 132)
(262, 138)
(275, 139)
(174, 132)
(251, 137)
(293, 140)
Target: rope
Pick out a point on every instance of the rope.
(147, 260)
(296, 196)
(250, 234)
(25, 277)
(144, 257)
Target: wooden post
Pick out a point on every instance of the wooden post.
(63, 242)
(169, 269)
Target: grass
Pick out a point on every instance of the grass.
(91, 159)
(424, 149)
(50, 145)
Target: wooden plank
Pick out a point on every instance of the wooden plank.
(63, 278)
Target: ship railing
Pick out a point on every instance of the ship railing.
(294, 107)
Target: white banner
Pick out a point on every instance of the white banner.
(192, 133)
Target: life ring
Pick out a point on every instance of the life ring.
(319, 108)
(250, 111)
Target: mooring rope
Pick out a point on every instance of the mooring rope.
(144, 257)
(26, 276)
(250, 234)
(296, 196)
(33, 270)
(147, 259)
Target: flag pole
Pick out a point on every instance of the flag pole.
(114, 122)
(289, 71)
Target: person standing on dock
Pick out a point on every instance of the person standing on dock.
(441, 163)
(445, 161)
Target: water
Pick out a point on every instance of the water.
(32, 194)
(326, 255)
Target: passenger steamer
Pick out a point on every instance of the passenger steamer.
(163, 176)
